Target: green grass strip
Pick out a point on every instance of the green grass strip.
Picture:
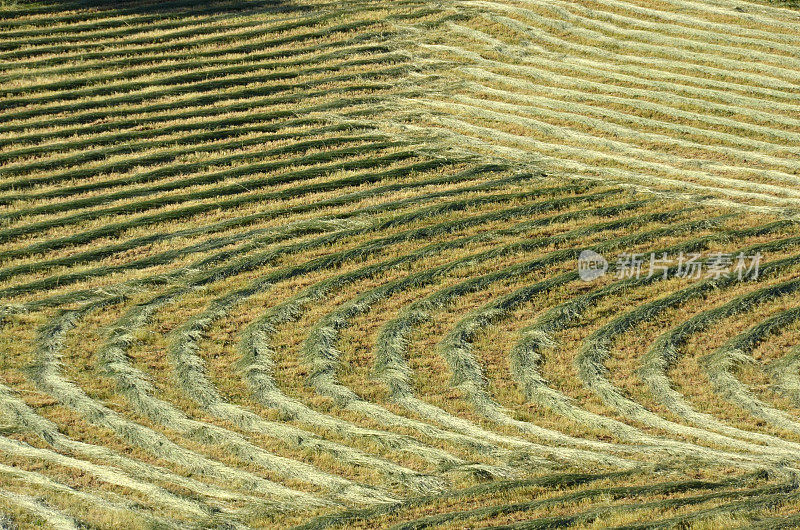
(760, 498)
(233, 189)
(275, 82)
(278, 70)
(563, 480)
(621, 492)
(421, 213)
(302, 147)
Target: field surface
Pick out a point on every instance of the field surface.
(411, 264)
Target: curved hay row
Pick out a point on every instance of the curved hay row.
(322, 355)
(287, 311)
(393, 340)
(592, 148)
(108, 509)
(135, 387)
(157, 495)
(690, 27)
(786, 373)
(666, 351)
(220, 307)
(467, 374)
(661, 100)
(48, 377)
(775, 17)
(269, 264)
(140, 476)
(721, 363)
(539, 338)
(238, 267)
(597, 348)
(53, 517)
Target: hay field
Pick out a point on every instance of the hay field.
(412, 264)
